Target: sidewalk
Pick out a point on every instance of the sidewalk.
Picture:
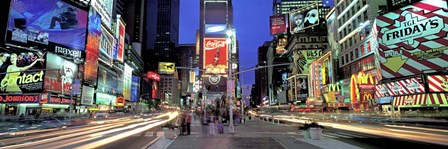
(252, 134)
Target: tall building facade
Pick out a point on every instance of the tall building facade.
(216, 18)
(261, 75)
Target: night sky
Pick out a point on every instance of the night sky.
(251, 21)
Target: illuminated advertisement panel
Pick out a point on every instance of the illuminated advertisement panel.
(438, 83)
(215, 55)
(280, 49)
(87, 95)
(155, 90)
(107, 81)
(92, 47)
(278, 24)
(413, 39)
(51, 24)
(19, 98)
(106, 46)
(303, 60)
(135, 89)
(215, 28)
(127, 81)
(153, 76)
(16, 73)
(60, 74)
(104, 8)
(331, 30)
(303, 19)
(120, 40)
(167, 67)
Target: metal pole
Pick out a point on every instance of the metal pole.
(242, 100)
(230, 77)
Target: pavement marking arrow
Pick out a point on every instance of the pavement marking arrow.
(395, 63)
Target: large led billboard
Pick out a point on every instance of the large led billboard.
(215, 56)
(107, 81)
(413, 39)
(135, 89)
(51, 24)
(167, 67)
(120, 33)
(104, 8)
(92, 47)
(303, 60)
(17, 73)
(60, 74)
(278, 24)
(127, 81)
(215, 28)
(107, 42)
(304, 18)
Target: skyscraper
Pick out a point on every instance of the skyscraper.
(216, 18)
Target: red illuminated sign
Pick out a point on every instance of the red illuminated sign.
(278, 24)
(153, 76)
(215, 55)
(19, 98)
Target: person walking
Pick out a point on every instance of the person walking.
(183, 122)
(188, 121)
(211, 124)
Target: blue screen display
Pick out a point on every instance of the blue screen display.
(45, 23)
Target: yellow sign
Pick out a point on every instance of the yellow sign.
(334, 88)
(355, 80)
(367, 96)
(395, 63)
(192, 77)
(167, 68)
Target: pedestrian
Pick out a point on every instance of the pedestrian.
(212, 124)
(188, 121)
(183, 123)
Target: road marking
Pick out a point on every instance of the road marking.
(355, 135)
(339, 135)
(137, 135)
(328, 136)
(160, 133)
(149, 134)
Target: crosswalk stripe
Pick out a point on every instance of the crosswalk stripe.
(137, 135)
(149, 134)
(159, 133)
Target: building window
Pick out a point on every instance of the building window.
(342, 60)
(346, 58)
(365, 15)
(368, 47)
(351, 56)
(303, 46)
(364, 2)
(356, 53)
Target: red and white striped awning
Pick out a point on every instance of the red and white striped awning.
(410, 100)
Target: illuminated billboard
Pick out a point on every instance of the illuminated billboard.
(215, 28)
(92, 47)
(280, 49)
(60, 74)
(16, 73)
(303, 60)
(107, 45)
(107, 81)
(51, 24)
(413, 39)
(153, 76)
(215, 56)
(278, 24)
(127, 81)
(135, 89)
(167, 67)
(304, 18)
(87, 95)
(331, 30)
(104, 7)
(119, 53)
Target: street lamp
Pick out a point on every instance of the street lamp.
(230, 39)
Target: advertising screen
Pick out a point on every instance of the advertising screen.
(413, 39)
(438, 83)
(106, 46)
(87, 95)
(278, 24)
(215, 55)
(155, 90)
(302, 87)
(167, 68)
(215, 28)
(19, 99)
(60, 74)
(104, 99)
(120, 39)
(107, 81)
(280, 49)
(104, 8)
(153, 76)
(127, 81)
(51, 24)
(303, 19)
(331, 30)
(92, 47)
(16, 72)
(303, 60)
(135, 89)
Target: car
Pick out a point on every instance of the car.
(101, 115)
